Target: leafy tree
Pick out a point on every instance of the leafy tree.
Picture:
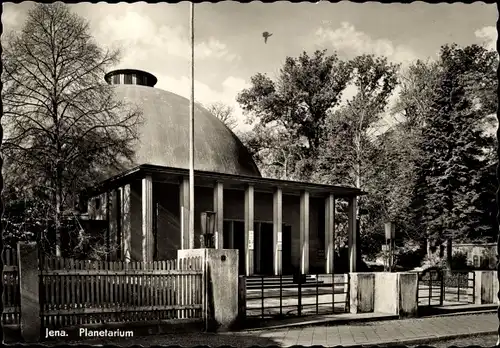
(297, 101)
(455, 167)
(350, 153)
(63, 127)
(223, 112)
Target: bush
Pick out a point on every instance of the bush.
(459, 261)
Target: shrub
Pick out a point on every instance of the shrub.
(458, 261)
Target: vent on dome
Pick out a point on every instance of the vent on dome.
(130, 77)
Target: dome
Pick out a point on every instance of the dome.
(164, 133)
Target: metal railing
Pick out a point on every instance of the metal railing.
(280, 296)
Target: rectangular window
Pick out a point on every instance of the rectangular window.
(128, 79)
(116, 79)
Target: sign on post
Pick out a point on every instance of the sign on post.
(250, 240)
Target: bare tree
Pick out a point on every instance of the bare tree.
(223, 112)
(63, 126)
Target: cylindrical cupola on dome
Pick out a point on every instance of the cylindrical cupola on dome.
(163, 136)
(130, 77)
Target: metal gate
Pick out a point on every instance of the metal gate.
(445, 288)
(280, 296)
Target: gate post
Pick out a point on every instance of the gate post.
(30, 321)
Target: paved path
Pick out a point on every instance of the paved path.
(409, 331)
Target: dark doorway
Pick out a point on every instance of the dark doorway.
(286, 253)
(239, 243)
(266, 248)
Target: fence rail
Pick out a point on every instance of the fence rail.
(438, 288)
(279, 296)
(78, 292)
(11, 296)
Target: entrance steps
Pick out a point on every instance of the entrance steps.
(257, 282)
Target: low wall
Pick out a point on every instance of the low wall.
(408, 294)
(222, 289)
(361, 292)
(386, 288)
(485, 287)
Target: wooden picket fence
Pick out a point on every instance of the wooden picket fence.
(79, 292)
(82, 292)
(11, 296)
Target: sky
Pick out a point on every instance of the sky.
(229, 47)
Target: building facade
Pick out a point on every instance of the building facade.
(278, 226)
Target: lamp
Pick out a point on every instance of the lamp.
(207, 229)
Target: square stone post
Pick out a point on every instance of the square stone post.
(304, 232)
(184, 212)
(126, 222)
(147, 219)
(249, 232)
(30, 321)
(219, 210)
(329, 234)
(352, 234)
(277, 233)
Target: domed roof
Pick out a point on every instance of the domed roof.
(164, 134)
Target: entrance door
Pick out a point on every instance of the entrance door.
(266, 248)
(239, 243)
(286, 253)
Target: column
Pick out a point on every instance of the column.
(249, 233)
(219, 209)
(184, 212)
(277, 232)
(147, 219)
(329, 233)
(304, 232)
(352, 235)
(126, 222)
(114, 214)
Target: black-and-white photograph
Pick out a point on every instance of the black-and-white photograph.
(250, 174)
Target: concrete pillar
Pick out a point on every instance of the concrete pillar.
(114, 214)
(277, 230)
(219, 209)
(249, 232)
(30, 320)
(304, 232)
(329, 233)
(147, 219)
(222, 289)
(352, 234)
(408, 294)
(126, 223)
(184, 212)
(386, 294)
(361, 288)
(485, 287)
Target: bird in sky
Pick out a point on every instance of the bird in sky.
(266, 35)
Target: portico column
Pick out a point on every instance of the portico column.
(114, 214)
(126, 226)
(147, 219)
(304, 232)
(277, 232)
(249, 233)
(219, 210)
(184, 212)
(329, 233)
(352, 235)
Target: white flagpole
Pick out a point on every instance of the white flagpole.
(191, 137)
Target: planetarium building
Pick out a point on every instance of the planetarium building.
(278, 226)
